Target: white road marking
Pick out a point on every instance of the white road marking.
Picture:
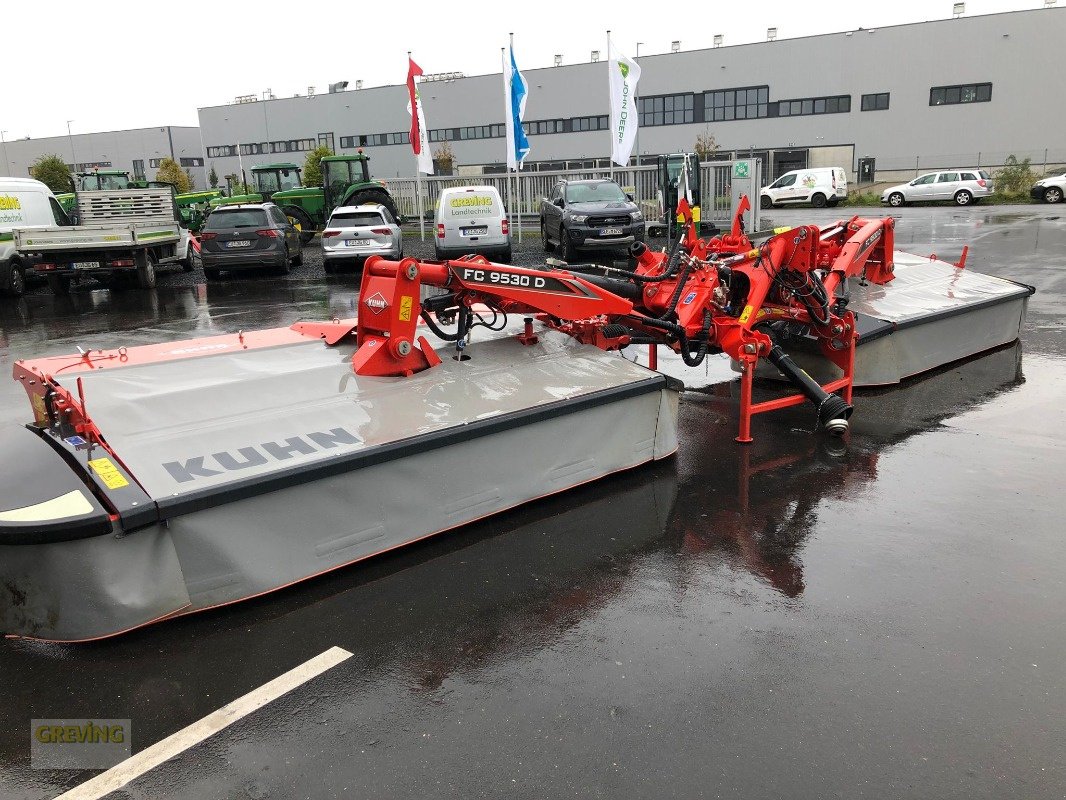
(177, 743)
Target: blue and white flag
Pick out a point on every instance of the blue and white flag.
(515, 90)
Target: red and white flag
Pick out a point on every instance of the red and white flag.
(419, 134)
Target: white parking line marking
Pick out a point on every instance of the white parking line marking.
(177, 743)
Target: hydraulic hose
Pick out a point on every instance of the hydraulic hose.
(833, 411)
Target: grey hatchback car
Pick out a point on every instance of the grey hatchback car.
(246, 237)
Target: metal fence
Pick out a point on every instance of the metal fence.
(522, 193)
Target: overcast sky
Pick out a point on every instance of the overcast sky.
(110, 65)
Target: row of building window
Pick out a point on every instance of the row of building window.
(836, 104)
(88, 165)
(724, 105)
(261, 148)
(964, 93)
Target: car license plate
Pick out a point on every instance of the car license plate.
(480, 231)
(86, 265)
(611, 232)
(356, 242)
(240, 243)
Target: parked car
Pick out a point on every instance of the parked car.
(964, 186)
(821, 187)
(24, 203)
(248, 236)
(589, 215)
(1051, 189)
(354, 233)
(472, 219)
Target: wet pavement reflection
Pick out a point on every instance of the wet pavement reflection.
(800, 617)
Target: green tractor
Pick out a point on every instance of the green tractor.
(346, 182)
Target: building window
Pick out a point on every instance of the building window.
(589, 123)
(155, 162)
(539, 126)
(138, 169)
(88, 165)
(837, 104)
(965, 93)
(221, 151)
(191, 162)
(670, 109)
(723, 105)
(875, 102)
(291, 146)
(254, 149)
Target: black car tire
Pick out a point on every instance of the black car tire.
(212, 274)
(1053, 194)
(563, 250)
(818, 200)
(765, 202)
(896, 199)
(14, 284)
(544, 237)
(146, 271)
(285, 265)
(963, 198)
(505, 256)
(298, 261)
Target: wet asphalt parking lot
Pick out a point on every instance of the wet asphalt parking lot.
(788, 619)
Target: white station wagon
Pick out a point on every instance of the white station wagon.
(964, 186)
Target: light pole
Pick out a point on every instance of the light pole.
(636, 99)
(7, 164)
(70, 139)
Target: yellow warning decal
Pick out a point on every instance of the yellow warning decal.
(406, 301)
(108, 472)
(746, 314)
(40, 413)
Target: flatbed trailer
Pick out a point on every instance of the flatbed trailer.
(126, 234)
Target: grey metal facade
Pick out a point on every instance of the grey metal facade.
(137, 151)
(1018, 53)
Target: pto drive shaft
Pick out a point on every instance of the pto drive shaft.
(833, 411)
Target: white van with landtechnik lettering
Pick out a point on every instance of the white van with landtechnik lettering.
(471, 219)
(24, 203)
(821, 187)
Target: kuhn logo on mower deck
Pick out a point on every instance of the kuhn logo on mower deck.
(376, 303)
(249, 457)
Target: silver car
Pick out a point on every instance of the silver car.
(964, 186)
(354, 233)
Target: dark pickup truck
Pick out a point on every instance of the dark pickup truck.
(589, 215)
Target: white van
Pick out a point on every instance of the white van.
(821, 187)
(471, 219)
(24, 203)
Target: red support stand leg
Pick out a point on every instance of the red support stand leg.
(747, 376)
(653, 357)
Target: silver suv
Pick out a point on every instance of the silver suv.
(964, 186)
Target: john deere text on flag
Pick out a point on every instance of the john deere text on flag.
(623, 74)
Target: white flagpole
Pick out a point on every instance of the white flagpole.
(508, 140)
(518, 167)
(610, 152)
(418, 205)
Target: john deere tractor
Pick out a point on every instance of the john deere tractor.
(346, 182)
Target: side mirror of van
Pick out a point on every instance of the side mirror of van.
(629, 197)
(560, 202)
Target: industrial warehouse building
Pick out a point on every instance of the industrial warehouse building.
(136, 151)
(881, 102)
(955, 92)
